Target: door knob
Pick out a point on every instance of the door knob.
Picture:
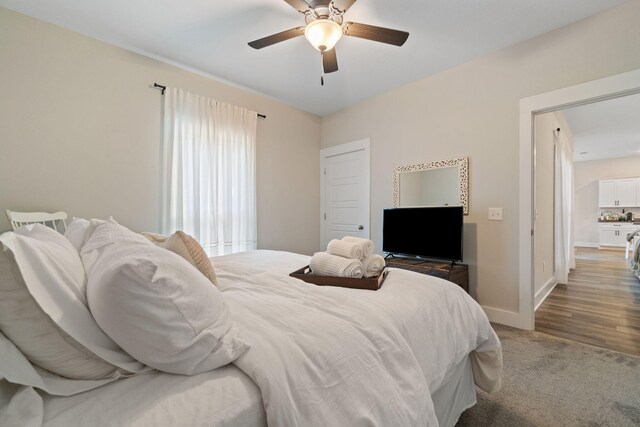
(361, 227)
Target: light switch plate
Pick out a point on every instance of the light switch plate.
(495, 214)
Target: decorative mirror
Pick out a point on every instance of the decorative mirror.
(439, 183)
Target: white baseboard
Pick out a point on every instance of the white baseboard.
(586, 244)
(504, 317)
(543, 293)
(612, 248)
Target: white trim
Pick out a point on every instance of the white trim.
(586, 244)
(503, 317)
(349, 147)
(584, 93)
(543, 293)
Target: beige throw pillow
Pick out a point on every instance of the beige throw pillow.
(188, 248)
(155, 305)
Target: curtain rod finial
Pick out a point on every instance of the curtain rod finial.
(163, 88)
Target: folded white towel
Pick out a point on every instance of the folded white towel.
(367, 245)
(351, 250)
(373, 265)
(326, 264)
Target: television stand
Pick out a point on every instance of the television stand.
(456, 273)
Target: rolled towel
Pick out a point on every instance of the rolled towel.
(367, 245)
(351, 250)
(326, 264)
(373, 265)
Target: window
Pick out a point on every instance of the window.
(209, 172)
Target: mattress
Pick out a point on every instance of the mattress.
(223, 397)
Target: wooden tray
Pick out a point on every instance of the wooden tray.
(371, 283)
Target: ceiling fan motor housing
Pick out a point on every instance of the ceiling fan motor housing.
(323, 12)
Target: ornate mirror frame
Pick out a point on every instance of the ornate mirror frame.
(463, 178)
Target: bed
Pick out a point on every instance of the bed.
(633, 241)
(410, 353)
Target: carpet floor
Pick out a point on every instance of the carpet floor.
(550, 381)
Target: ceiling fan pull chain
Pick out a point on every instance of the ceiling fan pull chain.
(321, 68)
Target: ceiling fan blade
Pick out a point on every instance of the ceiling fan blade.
(378, 34)
(329, 61)
(299, 5)
(277, 38)
(343, 5)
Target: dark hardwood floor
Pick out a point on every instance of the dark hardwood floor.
(599, 306)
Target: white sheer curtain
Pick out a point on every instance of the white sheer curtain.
(564, 256)
(209, 172)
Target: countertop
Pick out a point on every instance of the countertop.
(634, 222)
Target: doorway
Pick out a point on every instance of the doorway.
(597, 301)
(606, 88)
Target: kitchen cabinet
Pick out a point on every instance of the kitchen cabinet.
(607, 193)
(615, 234)
(626, 192)
(619, 192)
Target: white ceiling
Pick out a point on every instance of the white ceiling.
(211, 37)
(606, 129)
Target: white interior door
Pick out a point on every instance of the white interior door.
(344, 191)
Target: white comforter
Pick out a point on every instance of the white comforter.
(334, 356)
(321, 356)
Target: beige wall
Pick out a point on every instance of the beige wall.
(586, 178)
(81, 133)
(473, 110)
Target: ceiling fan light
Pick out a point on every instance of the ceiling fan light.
(323, 34)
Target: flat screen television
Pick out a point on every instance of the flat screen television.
(433, 233)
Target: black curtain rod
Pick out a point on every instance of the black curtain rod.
(163, 88)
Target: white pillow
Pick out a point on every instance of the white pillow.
(75, 232)
(16, 369)
(156, 305)
(43, 307)
(80, 230)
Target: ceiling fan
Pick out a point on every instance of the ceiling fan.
(325, 27)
